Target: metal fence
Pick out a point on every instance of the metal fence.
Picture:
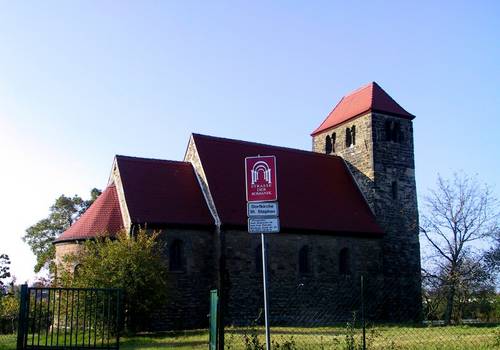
(362, 314)
(75, 318)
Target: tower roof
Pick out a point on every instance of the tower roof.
(103, 216)
(370, 97)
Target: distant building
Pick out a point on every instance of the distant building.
(348, 208)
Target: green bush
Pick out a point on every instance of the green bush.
(133, 263)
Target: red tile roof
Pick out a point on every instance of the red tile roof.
(103, 216)
(315, 191)
(370, 97)
(162, 192)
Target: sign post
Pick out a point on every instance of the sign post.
(262, 211)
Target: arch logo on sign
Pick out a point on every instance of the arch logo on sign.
(261, 179)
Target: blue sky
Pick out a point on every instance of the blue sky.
(83, 81)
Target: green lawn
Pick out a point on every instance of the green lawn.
(334, 338)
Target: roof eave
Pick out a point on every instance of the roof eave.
(408, 116)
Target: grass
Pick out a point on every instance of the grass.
(379, 338)
(334, 338)
(7, 341)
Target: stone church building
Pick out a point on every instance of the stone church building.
(347, 208)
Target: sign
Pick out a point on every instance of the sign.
(261, 179)
(263, 225)
(262, 209)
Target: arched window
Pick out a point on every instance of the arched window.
(76, 270)
(345, 262)
(348, 139)
(176, 255)
(388, 130)
(393, 131)
(334, 138)
(396, 130)
(304, 260)
(394, 190)
(398, 137)
(353, 135)
(328, 144)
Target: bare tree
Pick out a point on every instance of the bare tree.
(458, 213)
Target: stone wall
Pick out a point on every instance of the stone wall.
(66, 248)
(188, 294)
(359, 156)
(320, 296)
(398, 216)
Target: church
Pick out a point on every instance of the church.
(348, 208)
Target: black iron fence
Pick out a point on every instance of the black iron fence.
(69, 318)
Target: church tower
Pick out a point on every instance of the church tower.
(374, 135)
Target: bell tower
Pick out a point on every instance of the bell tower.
(374, 135)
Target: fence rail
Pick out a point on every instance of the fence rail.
(74, 318)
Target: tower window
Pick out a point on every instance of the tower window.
(176, 255)
(394, 190)
(393, 131)
(334, 138)
(348, 139)
(328, 145)
(388, 130)
(350, 136)
(344, 262)
(304, 260)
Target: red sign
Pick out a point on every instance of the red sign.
(261, 179)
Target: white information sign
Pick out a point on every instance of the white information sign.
(262, 209)
(263, 225)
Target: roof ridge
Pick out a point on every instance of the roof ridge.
(372, 84)
(296, 150)
(359, 89)
(143, 159)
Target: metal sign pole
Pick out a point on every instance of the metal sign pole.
(266, 293)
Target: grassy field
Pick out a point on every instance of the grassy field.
(335, 338)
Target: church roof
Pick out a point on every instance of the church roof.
(370, 97)
(315, 191)
(103, 216)
(162, 192)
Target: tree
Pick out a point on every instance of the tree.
(458, 213)
(492, 256)
(9, 310)
(63, 213)
(133, 263)
(4, 272)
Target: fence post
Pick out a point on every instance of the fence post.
(21, 326)
(363, 311)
